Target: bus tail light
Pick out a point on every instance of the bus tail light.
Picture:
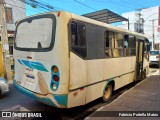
(55, 78)
(54, 87)
(54, 69)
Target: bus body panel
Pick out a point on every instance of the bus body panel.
(27, 74)
(95, 70)
(78, 79)
(119, 67)
(58, 56)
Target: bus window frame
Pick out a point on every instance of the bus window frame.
(126, 34)
(70, 37)
(52, 16)
(112, 48)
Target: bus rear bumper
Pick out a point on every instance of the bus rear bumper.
(59, 101)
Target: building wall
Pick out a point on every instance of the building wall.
(147, 15)
(18, 12)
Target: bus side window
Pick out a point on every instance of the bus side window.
(108, 43)
(129, 45)
(78, 39)
(132, 45)
(118, 47)
(74, 40)
(126, 49)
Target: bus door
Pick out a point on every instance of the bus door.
(140, 60)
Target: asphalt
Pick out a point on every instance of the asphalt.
(141, 102)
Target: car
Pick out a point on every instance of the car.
(4, 87)
(154, 57)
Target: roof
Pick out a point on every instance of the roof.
(106, 16)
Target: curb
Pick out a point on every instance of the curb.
(156, 73)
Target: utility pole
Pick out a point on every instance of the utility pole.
(152, 34)
(139, 19)
(4, 39)
(153, 37)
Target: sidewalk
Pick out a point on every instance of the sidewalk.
(145, 96)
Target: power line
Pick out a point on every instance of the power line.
(21, 7)
(36, 4)
(85, 5)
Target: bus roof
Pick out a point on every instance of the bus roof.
(92, 21)
(110, 27)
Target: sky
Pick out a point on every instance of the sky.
(81, 7)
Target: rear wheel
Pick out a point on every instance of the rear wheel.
(107, 93)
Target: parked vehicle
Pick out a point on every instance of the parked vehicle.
(4, 87)
(154, 57)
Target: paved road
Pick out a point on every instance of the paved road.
(152, 69)
(16, 101)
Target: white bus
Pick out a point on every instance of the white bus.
(65, 60)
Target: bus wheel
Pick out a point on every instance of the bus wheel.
(107, 93)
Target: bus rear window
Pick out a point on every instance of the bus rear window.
(34, 33)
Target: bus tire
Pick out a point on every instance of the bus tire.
(107, 93)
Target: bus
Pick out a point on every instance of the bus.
(66, 60)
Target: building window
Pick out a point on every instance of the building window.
(9, 18)
(78, 38)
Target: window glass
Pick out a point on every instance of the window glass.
(78, 39)
(107, 38)
(118, 40)
(114, 44)
(35, 34)
(81, 35)
(109, 41)
(118, 45)
(132, 42)
(129, 45)
(126, 41)
(74, 39)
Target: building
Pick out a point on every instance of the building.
(146, 21)
(15, 10)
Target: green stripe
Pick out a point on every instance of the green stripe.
(100, 81)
